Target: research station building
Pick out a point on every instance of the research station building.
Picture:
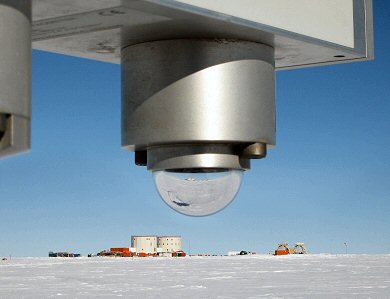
(169, 244)
(156, 244)
(144, 244)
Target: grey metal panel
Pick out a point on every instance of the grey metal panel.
(82, 30)
(102, 45)
(45, 9)
(369, 28)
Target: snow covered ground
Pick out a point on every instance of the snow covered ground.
(310, 276)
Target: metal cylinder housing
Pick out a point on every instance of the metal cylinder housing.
(213, 95)
(15, 76)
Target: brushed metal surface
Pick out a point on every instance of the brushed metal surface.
(15, 77)
(255, 151)
(15, 61)
(197, 91)
(196, 156)
(3, 125)
(23, 7)
(17, 138)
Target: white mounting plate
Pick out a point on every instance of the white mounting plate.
(303, 32)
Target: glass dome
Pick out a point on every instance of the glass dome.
(198, 192)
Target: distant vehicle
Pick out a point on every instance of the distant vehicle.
(63, 254)
(242, 252)
(115, 252)
(179, 253)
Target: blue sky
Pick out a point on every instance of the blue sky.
(326, 182)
